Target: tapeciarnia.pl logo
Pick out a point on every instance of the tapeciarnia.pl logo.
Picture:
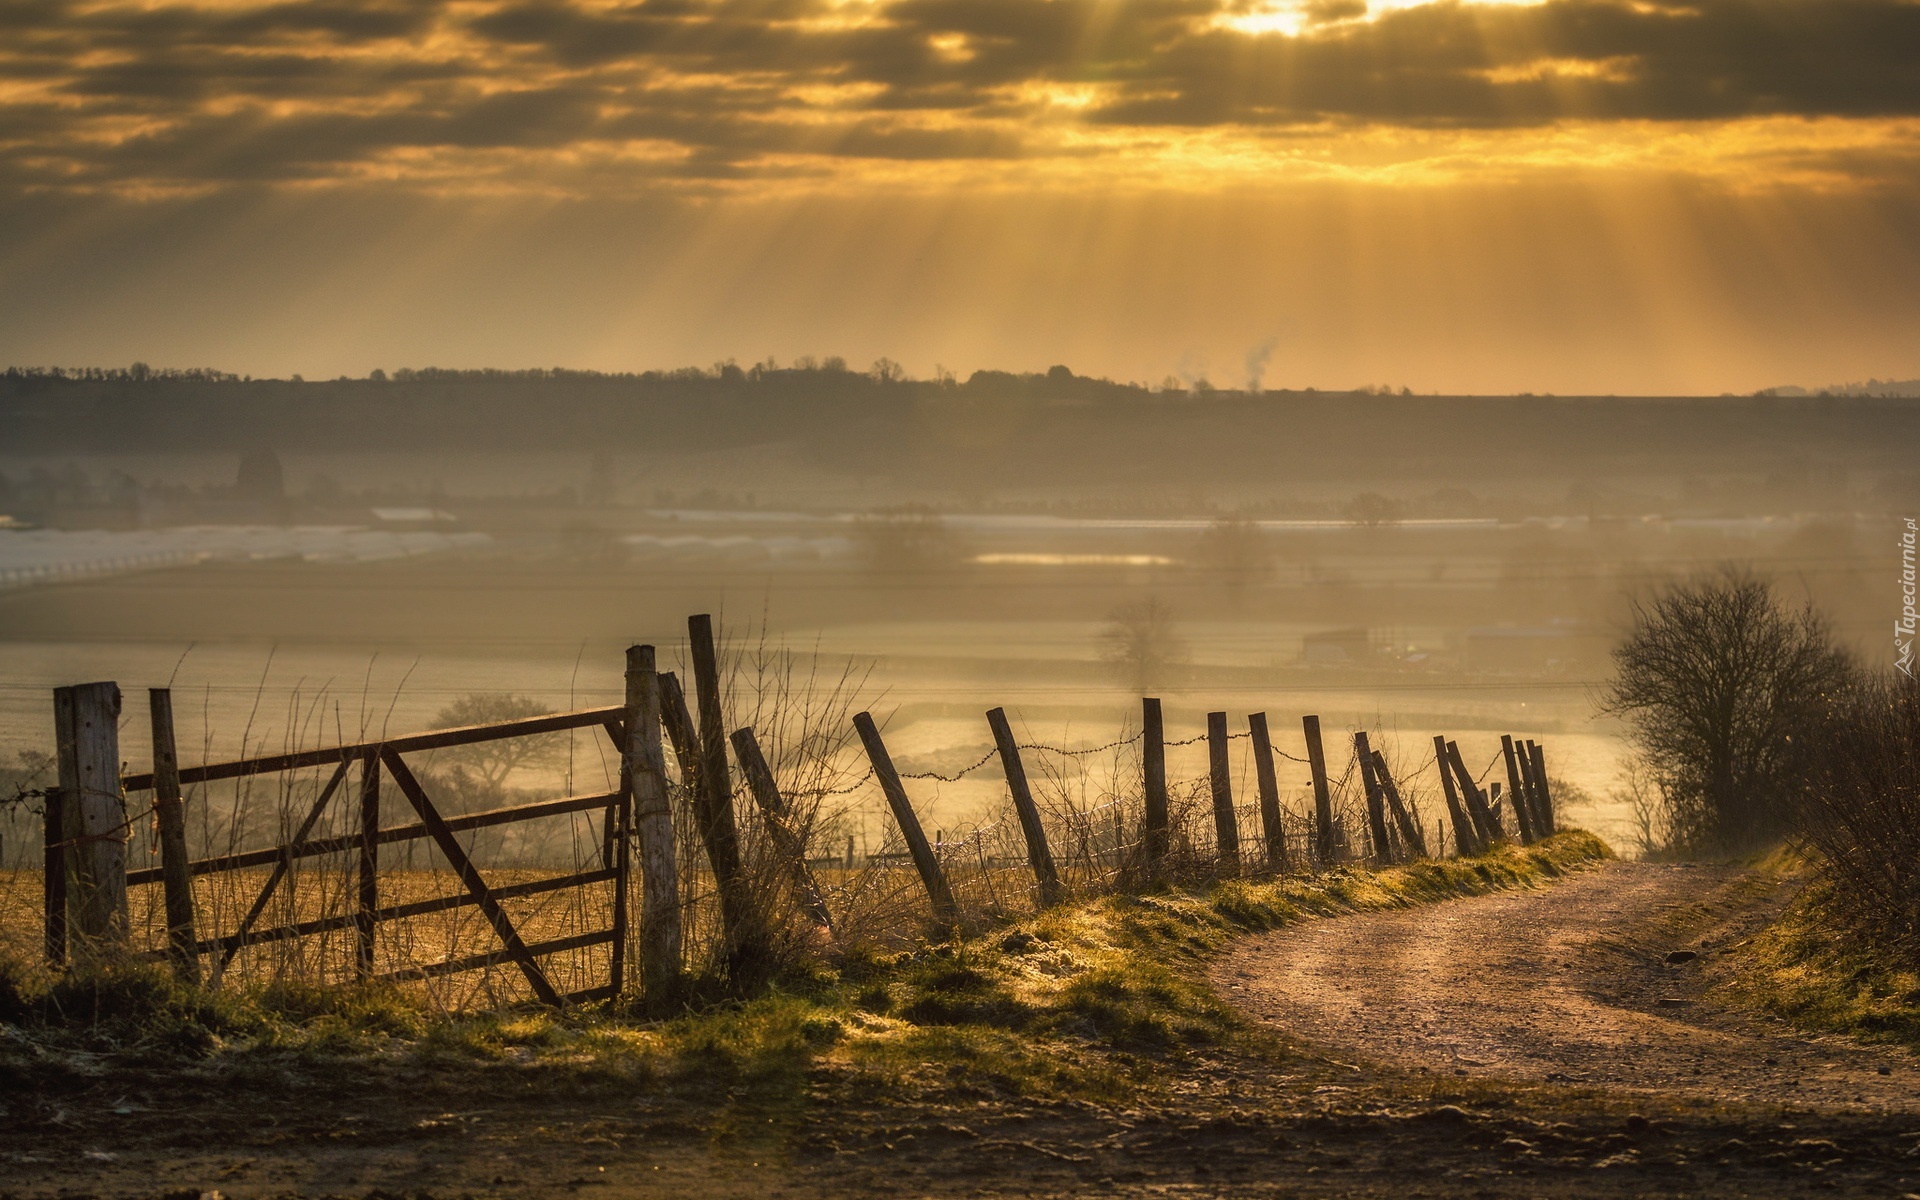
(1904, 625)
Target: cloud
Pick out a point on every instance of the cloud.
(126, 97)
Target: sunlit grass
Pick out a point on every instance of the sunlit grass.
(1092, 1000)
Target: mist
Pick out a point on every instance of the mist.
(360, 554)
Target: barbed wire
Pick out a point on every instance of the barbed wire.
(957, 776)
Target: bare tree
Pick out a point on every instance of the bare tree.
(1717, 679)
(1141, 644)
(1236, 550)
(493, 761)
(911, 537)
(1373, 510)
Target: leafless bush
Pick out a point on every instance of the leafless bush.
(1861, 812)
(1717, 679)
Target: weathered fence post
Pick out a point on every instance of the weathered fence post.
(1269, 792)
(1153, 762)
(645, 766)
(1323, 843)
(1039, 856)
(622, 867)
(1226, 823)
(1517, 789)
(54, 879)
(739, 910)
(1538, 757)
(369, 864)
(946, 913)
(786, 839)
(1376, 804)
(1466, 839)
(168, 807)
(1532, 789)
(1484, 822)
(1410, 832)
(93, 817)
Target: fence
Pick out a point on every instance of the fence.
(730, 874)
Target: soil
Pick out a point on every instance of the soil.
(1505, 1046)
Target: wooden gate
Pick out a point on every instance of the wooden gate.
(367, 765)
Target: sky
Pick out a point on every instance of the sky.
(1601, 196)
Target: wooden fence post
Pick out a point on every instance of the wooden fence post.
(1410, 832)
(946, 913)
(1039, 856)
(369, 863)
(93, 818)
(54, 879)
(1486, 825)
(1226, 823)
(786, 839)
(1153, 762)
(1516, 788)
(1376, 805)
(1466, 840)
(1537, 756)
(1323, 843)
(645, 765)
(1531, 789)
(1269, 784)
(739, 908)
(176, 876)
(622, 866)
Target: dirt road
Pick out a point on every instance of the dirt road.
(1565, 984)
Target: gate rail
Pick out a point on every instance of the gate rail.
(378, 759)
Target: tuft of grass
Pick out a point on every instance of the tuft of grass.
(1814, 973)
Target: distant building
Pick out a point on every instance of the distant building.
(1337, 647)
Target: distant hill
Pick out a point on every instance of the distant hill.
(992, 429)
(1872, 387)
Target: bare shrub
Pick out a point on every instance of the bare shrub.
(1717, 679)
(1861, 811)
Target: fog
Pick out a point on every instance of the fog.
(306, 562)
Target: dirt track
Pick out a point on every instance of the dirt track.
(1568, 984)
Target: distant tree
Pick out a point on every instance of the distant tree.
(492, 762)
(1141, 644)
(885, 370)
(1236, 550)
(1717, 680)
(1373, 510)
(911, 537)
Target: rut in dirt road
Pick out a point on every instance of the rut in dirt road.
(1564, 984)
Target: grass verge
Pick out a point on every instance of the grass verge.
(1089, 1001)
(1821, 977)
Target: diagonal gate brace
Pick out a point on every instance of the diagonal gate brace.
(470, 876)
